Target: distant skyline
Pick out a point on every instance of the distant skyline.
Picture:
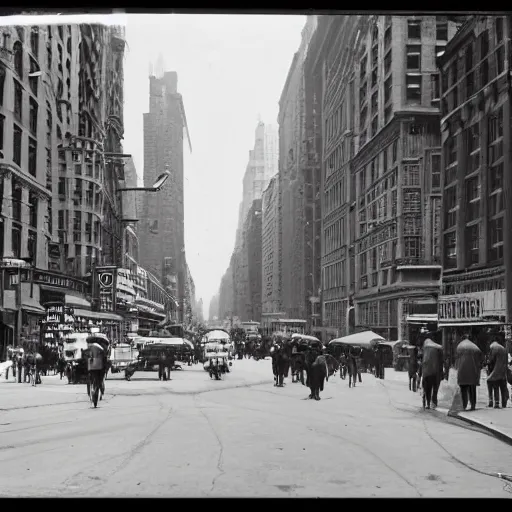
(231, 72)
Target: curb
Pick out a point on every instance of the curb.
(502, 436)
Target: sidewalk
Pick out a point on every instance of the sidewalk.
(496, 421)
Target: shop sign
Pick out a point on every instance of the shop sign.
(13, 263)
(106, 277)
(54, 279)
(472, 307)
(124, 285)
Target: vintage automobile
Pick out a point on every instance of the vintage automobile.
(154, 351)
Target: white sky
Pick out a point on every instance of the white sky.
(231, 69)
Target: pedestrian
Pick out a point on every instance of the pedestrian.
(497, 375)
(432, 371)
(413, 367)
(468, 364)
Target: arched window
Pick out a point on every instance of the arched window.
(18, 58)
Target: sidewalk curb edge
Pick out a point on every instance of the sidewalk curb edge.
(492, 430)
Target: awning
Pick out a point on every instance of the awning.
(96, 315)
(32, 305)
(74, 301)
(469, 324)
(422, 319)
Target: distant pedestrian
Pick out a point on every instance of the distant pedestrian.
(497, 375)
(468, 363)
(413, 367)
(432, 371)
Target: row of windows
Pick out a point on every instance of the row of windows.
(337, 122)
(373, 170)
(336, 195)
(383, 313)
(334, 314)
(333, 275)
(479, 286)
(335, 236)
(473, 242)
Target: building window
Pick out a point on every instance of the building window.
(412, 175)
(413, 57)
(50, 218)
(2, 83)
(2, 121)
(375, 125)
(18, 58)
(435, 160)
(32, 245)
(16, 145)
(62, 188)
(60, 220)
(450, 208)
(412, 201)
(434, 88)
(472, 245)
(387, 61)
(18, 100)
(32, 208)
(77, 221)
(16, 201)
(395, 151)
(33, 80)
(32, 156)
(499, 29)
(414, 29)
(484, 44)
(412, 247)
(441, 29)
(16, 242)
(34, 41)
(362, 264)
(450, 250)
(33, 116)
(413, 84)
(495, 239)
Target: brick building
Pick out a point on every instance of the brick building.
(477, 209)
(396, 168)
(296, 193)
(162, 233)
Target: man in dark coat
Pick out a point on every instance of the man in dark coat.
(497, 376)
(469, 359)
(432, 371)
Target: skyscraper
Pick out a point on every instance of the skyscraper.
(162, 228)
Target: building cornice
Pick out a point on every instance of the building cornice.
(28, 180)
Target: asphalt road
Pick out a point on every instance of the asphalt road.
(240, 437)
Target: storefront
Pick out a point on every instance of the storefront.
(481, 315)
(150, 314)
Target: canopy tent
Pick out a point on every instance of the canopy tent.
(304, 337)
(365, 339)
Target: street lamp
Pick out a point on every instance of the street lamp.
(157, 186)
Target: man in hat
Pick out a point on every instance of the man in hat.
(469, 358)
(432, 370)
(497, 376)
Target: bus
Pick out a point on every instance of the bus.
(286, 325)
(250, 327)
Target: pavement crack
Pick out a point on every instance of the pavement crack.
(373, 454)
(220, 460)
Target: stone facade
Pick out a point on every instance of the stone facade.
(270, 291)
(476, 219)
(397, 148)
(293, 187)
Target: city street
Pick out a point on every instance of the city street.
(241, 437)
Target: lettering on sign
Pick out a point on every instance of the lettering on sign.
(461, 309)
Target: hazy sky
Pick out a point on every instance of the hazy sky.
(231, 69)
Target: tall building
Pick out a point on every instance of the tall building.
(61, 91)
(270, 264)
(295, 189)
(253, 241)
(397, 151)
(331, 49)
(213, 310)
(225, 296)
(476, 188)
(261, 167)
(162, 233)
